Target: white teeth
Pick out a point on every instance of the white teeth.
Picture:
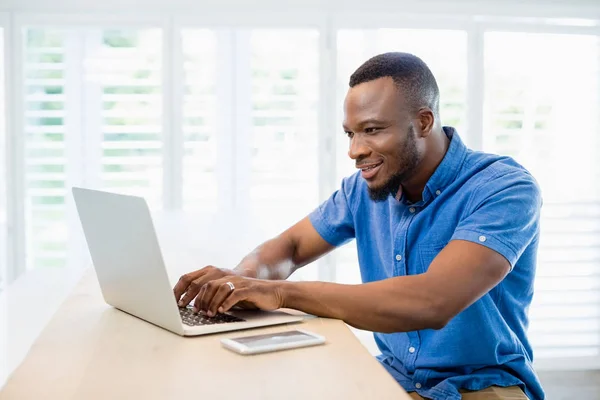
(370, 168)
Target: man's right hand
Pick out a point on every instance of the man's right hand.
(191, 283)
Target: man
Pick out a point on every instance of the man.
(447, 241)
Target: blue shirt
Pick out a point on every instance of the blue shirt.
(474, 196)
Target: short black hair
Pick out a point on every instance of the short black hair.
(410, 74)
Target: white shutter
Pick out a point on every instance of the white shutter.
(200, 191)
(284, 93)
(92, 116)
(542, 107)
(444, 51)
(3, 175)
(45, 151)
(126, 64)
(284, 98)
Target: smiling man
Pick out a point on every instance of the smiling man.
(447, 241)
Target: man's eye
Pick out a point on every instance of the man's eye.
(349, 134)
(371, 130)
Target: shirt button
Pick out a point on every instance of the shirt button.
(482, 238)
(438, 192)
(412, 210)
(418, 385)
(411, 350)
(398, 257)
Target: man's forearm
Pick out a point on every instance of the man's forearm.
(279, 257)
(392, 305)
(273, 259)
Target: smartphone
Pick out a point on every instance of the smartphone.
(272, 342)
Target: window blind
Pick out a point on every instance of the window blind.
(542, 107)
(92, 115)
(3, 175)
(200, 123)
(44, 119)
(284, 93)
(284, 125)
(128, 66)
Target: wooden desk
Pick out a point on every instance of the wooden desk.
(91, 351)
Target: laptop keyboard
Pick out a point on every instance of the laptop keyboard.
(189, 318)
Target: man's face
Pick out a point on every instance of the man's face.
(382, 137)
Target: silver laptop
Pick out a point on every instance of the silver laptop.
(131, 272)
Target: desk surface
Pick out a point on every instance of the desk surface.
(90, 351)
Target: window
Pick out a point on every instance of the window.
(3, 175)
(45, 131)
(94, 106)
(250, 126)
(92, 116)
(445, 52)
(127, 65)
(284, 97)
(200, 121)
(542, 107)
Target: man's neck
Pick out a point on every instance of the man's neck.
(414, 186)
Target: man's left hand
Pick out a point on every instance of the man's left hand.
(217, 296)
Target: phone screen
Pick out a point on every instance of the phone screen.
(273, 338)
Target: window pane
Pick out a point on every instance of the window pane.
(445, 52)
(284, 96)
(92, 116)
(45, 152)
(3, 176)
(199, 119)
(542, 108)
(126, 65)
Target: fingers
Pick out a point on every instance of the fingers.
(182, 285)
(237, 296)
(217, 297)
(192, 291)
(208, 292)
(223, 291)
(192, 280)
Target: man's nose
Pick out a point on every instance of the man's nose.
(357, 149)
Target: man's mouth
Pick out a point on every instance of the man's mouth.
(370, 170)
(367, 167)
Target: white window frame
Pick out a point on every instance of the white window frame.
(5, 234)
(4, 230)
(566, 363)
(14, 163)
(17, 145)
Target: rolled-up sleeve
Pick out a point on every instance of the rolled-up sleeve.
(333, 219)
(505, 216)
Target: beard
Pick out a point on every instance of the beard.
(409, 160)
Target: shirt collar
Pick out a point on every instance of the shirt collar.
(446, 172)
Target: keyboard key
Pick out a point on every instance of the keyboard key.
(189, 318)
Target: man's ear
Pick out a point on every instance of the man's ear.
(425, 121)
